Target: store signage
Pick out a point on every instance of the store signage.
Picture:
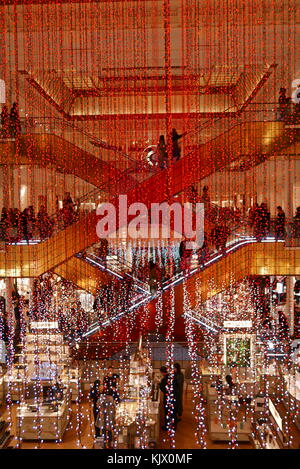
(44, 325)
(237, 324)
(275, 414)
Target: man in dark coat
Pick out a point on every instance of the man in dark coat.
(170, 399)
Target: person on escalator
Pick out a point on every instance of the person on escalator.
(186, 254)
(284, 103)
(205, 198)
(262, 222)
(127, 292)
(162, 152)
(192, 196)
(24, 225)
(176, 151)
(94, 396)
(203, 252)
(219, 236)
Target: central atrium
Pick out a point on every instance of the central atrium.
(150, 225)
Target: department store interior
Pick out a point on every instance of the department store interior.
(150, 224)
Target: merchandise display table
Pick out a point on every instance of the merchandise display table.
(140, 400)
(45, 423)
(126, 419)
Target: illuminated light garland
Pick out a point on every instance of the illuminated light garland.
(228, 36)
(198, 401)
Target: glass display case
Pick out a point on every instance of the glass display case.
(138, 413)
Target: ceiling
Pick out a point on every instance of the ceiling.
(130, 91)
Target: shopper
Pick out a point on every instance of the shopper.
(94, 396)
(203, 252)
(280, 224)
(4, 224)
(14, 121)
(68, 209)
(170, 395)
(296, 223)
(162, 152)
(106, 416)
(24, 225)
(224, 233)
(192, 196)
(283, 101)
(31, 221)
(253, 214)
(205, 198)
(176, 151)
(103, 250)
(230, 385)
(110, 383)
(4, 122)
(44, 222)
(179, 377)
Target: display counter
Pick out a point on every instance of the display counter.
(15, 381)
(47, 421)
(126, 419)
(264, 436)
(139, 405)
(219, 422)
(222, 409)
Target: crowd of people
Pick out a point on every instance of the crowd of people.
(105, 397)
(115, 296)
(10, 121)
(17, 225)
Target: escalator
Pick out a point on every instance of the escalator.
(54, 151)
(242, 258)
(251, 139)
